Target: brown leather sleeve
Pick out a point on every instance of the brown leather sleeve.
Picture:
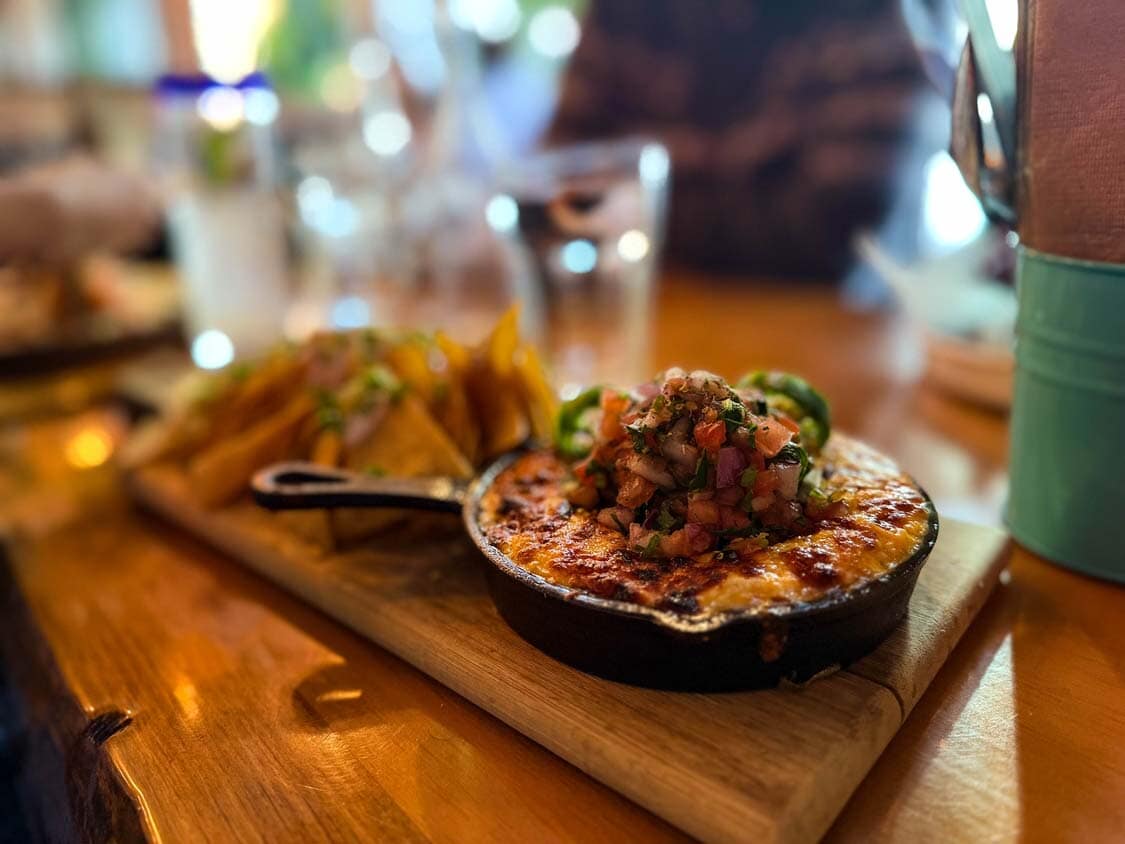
(1072, 128)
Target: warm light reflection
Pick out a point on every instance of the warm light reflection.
(340, 88)
(89, 447)
(228, 35)
(187, 696)
(337, 695)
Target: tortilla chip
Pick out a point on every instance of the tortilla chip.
(493, 388)
(454, 411)
(223, 471)
(327, 449)
(540, 401)
(408, 443)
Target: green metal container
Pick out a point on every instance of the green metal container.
(1067, 500)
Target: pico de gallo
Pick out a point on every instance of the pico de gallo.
(687, 464)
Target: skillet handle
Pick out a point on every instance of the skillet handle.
(308, 486)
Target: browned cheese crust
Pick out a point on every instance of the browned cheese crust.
(526, 516)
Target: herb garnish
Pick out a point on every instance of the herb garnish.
(702, 468)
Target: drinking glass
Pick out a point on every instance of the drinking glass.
(583, 229)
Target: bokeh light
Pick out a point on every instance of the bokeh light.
(493, 21)
(212, 349)
(553, 32)
(369, 58)
(633, 245)
(579, 256)
(89, 447)
(502, 213)
(387, 133)
(350, 312)
(951, 215)
(221, 107)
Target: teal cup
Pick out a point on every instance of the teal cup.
(1067, 499)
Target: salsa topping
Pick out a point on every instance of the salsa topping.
(686, 464)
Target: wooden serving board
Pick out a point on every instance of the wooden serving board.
(773, 765)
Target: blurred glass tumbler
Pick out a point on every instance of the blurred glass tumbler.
(583, 227)
(215, 158)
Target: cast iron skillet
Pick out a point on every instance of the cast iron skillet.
(616, 639)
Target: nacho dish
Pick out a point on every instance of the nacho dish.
(693, 496)
(379, 401)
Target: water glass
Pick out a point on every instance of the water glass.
(583, 228)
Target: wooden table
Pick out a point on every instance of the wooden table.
(168, 694)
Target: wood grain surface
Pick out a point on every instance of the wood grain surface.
(775, 765)
(1020, 737)
(249, 716)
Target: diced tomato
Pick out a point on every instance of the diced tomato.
(703, 512)
(675, 544)
(765, 482)
(731, 518)
(731, 495)
(789, 423)
(688, 540)
(710, 436)
(771, 437)
(633, 490)
(613, 405)
(582, 473)
(757, 460)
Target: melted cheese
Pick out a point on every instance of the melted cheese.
(526, 516)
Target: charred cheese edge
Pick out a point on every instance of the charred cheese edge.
(525, 515)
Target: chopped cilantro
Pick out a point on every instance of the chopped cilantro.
(598, 472)
(702, 468)
(793, 453)
(375, 471)
(748, 477)
(380, 379)
(732, 412)
(637, 434)
(328, 414)
(817, 496)
(666, 521)
(652, 546)
(747, 502)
